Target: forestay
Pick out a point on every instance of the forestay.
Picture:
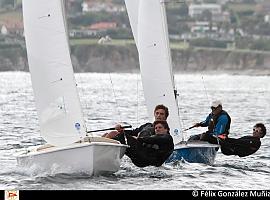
(54, 86)
(149, 26)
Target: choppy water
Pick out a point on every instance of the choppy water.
(109, 98)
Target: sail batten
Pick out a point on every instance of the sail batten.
(52, 75)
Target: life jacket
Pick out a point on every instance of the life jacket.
(214, 120)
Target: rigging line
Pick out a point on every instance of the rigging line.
(103, 89)
(26, 81)
(209, 103)
(182, 124)
(205, 91)
(117, 105)
(81, 90)
(177, 104)
(137, 111)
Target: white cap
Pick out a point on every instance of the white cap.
(216, 103)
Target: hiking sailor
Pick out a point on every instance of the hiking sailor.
(246, 145)
(152, 149)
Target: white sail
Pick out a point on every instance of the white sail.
(54, 86)
(132, 11)
(155, 62)
(149, 27)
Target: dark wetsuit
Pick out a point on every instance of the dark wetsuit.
(149, 150)
(243, 146)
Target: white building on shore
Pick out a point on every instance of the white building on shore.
(197, 9)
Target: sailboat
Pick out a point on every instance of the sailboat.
(69, 146)
(149, 27)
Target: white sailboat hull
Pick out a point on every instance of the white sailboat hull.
(93, 158)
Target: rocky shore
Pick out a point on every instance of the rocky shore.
(110, 58)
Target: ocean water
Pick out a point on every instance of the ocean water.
(109, 98)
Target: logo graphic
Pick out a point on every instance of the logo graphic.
(78, 126)
(175, 131)
(12, 195)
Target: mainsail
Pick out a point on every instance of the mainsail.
(149, 26)
(133, 11)
(54, 86)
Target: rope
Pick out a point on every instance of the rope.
(182, 124)
(137, 111)
(206, 91)
(117, 105)
(81, 91)
(209, 103)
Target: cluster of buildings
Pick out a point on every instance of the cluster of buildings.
(199, 27)
(92, 30)
(212, 26)
(96, 6)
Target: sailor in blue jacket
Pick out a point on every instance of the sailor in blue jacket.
(218, 123)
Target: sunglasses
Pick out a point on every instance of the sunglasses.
(256, 130)
(213, 108)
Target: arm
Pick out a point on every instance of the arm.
(154, 139)
(136, 131)
(205, 122)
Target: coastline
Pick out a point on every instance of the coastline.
(249, 72)
(206, 72)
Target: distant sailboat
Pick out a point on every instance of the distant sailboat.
(149, 26)
(57, 100)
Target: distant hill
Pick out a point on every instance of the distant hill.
(124, 58)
